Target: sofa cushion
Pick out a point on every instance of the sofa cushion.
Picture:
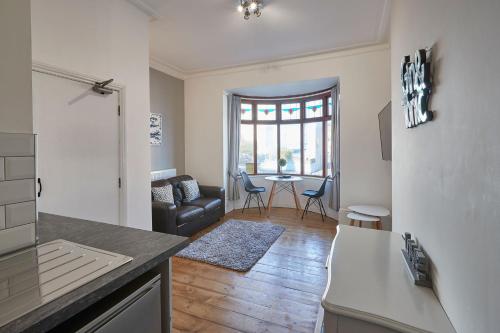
(186, 214)
(190, 189)
(163, 194)
(208, 204)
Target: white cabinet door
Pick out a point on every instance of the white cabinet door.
(78, 149)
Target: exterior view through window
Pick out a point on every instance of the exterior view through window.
(297, 129)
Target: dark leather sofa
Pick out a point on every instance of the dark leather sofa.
(187, 218)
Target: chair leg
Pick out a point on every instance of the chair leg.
(318, 203)
(258, 203)
(306, 207)
(322, 208)
(246, 199)
(262, 201)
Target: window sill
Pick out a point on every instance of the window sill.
(304, 177)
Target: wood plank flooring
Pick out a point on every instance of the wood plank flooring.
(281, 293)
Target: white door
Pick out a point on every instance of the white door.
(78, 149)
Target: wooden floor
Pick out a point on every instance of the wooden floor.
(281, 293)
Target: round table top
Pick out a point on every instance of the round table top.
(362, 217)
(370, 210)
(278, 179)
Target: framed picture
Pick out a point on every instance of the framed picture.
(155, 130)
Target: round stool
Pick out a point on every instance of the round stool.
(353, 216)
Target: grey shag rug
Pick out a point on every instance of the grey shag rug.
(236, 244)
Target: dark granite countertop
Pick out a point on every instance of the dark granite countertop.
(147, 248)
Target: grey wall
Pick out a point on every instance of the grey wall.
(15, 66)
(446, 173)
(167, 98)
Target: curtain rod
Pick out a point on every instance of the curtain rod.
(319, 92)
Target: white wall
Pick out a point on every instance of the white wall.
(15, 67)
(107, 39)
(446, 173)
(365, 90)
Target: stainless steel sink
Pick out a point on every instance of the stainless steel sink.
(36, 276)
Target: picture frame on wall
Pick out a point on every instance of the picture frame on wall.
(155, 129)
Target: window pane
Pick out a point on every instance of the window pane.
(313, 148)
(290, 147)
(267, 146)
(330, 105)
(246, 149)
(290, 111)
(314, 109)
(266, 112)
(246, 111)
(328, 147)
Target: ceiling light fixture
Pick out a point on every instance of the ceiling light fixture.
(249, 7)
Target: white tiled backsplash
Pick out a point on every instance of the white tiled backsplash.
(17, 192)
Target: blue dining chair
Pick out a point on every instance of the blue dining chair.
(314, 197)
(253, 192)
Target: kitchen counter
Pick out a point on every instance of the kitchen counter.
(149, 250)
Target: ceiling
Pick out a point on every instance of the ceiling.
(287, 89)
(198, 35)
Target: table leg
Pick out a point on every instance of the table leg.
(296, 197)
(271, 197)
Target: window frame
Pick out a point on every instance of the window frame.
(279, 101)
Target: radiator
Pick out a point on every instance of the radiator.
(163, 174)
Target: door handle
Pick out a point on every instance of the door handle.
(39, 187)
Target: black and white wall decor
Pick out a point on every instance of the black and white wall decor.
(416, 83)
(155, 130)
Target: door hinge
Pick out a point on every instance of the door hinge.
(119, 183)
(119, 111)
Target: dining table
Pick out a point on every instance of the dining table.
(283, 183)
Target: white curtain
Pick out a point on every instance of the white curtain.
(234, 121)
(335, 149)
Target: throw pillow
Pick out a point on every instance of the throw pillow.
(177, 195)
(163, 194)
(191, 190)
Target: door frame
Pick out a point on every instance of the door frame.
(120, 89)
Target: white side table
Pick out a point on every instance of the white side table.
(367, 213)
(353, 216)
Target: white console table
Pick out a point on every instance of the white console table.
(369, 289)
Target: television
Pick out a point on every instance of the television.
(384, 124)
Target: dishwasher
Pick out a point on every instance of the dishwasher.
(135, 307)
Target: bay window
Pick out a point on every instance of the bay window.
(297, 129)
